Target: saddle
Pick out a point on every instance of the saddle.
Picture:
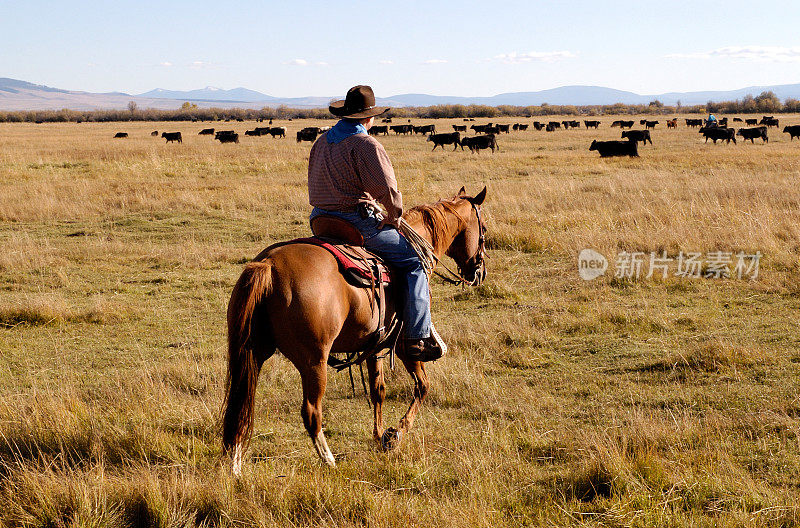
(361, 268)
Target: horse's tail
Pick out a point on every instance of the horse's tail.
(244, 363)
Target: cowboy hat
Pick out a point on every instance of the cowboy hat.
(358, 104)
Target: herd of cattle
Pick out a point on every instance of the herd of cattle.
(231, 136)
(486, 134)
(710, 130)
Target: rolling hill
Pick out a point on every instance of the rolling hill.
(21, 95)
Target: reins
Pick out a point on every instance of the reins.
(428, 257)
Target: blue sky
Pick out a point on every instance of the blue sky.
(459, 47)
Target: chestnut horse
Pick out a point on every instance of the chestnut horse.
(293, 298)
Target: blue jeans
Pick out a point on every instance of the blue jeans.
(393, 247)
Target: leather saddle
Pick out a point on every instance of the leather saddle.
(359, 266)
(333, 227)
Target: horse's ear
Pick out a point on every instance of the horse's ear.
(479, 198)
(460, 194)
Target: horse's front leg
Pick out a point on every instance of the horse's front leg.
(377, 393)
(392, 437)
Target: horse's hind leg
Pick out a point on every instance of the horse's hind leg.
(315, 378)
(377, 393)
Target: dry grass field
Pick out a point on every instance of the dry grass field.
(616, 402)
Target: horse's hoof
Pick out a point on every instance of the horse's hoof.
(390, 439)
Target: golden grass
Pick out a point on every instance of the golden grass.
(611, 403)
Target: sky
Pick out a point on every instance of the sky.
(463, 47)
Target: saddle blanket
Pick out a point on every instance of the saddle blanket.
(351, 260)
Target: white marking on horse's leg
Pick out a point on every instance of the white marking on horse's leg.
(237, 460)
(322, 449)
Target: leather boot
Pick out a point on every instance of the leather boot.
(426, 349)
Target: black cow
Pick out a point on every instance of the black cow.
(227, 136)
(479, 129)
(753, 133)
(549, 128)
(425, 129)
(694, 123)
(401, 129)
(751, 122)
(737, 120)
(440, 140)
(206, 132)
(277, 132)
(792, 130)
(375, 130)
(724, 134)
(172, 136)
(622, 124)
(770, 122)
(154, 133)
(386, 120)
(649, 124)
(522, 127)
(609, 149)
(460, 128)
(554, 124)
(491, 130)
(638, 135)
(252, 133)
(538, 126)
(591, 124)
(120, 135)
(307, 134)
(503, 128)
(476, 143)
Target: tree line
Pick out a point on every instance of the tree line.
(766, 102)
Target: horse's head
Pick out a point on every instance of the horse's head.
(468, 249)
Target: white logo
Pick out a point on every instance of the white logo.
(591, 264)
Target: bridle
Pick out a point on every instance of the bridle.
(480, 256)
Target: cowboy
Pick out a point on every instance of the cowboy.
(349, 170)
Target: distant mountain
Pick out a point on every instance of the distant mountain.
(14, 86)
(783, 91)
(565, 95)
(209, 93)
(21, 95)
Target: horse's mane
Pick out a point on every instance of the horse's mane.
(435, 221)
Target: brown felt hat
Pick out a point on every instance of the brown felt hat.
(358, 104)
